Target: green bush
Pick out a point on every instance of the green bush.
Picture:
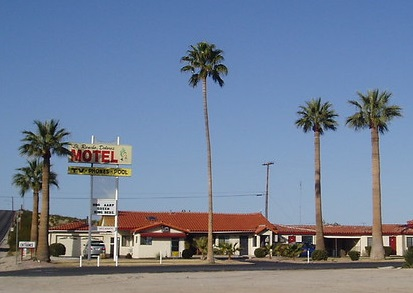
(408, 258)
(387, 250)
(289, 250)
(354, 255)
(260, 252)
(319, 255)
(57, 249)
(187, 253)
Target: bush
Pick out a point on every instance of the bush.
(57, 249)
(354, 255)
(260, 252)
(319, 255)
(187, 253)
(408, 258)
(387, 250)
(289, 250)
(128, 256)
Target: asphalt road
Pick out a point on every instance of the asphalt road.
(6, 219)
(248, 265)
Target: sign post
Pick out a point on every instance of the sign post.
(102, 154)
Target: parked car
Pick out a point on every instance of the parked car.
(97, 247)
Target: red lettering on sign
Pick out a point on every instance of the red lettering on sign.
(76, 155)
(105, 156)
(93, 156)
(112, 157)
(87, 156)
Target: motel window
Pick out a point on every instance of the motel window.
(369, 241)
(409, 242)
(223, 239)
(307, 239)
(146, 240)
(127, 240)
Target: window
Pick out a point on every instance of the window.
(307, 239)
(409, 242)
(127, 240)
(223, 239)
(146, 240)
(369, 241)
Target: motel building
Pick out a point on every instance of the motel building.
(150, 234)
(167, 234)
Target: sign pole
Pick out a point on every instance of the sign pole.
(115, 254)
(89, 242)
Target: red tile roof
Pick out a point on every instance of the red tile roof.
(191, 222)
(71, 226)
(343, 230)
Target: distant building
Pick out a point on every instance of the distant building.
(340, 239)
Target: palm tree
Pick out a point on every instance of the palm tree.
(205, 60)
(317, 117)
(30, 177)
(374, 112)
(46, 141)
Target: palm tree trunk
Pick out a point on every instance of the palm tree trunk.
(377, 250)
(210, 253)
(35, 218)
(318, 207)
(43, 244)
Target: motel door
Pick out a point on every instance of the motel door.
(243, 244)
(175, 247)
(393, 244)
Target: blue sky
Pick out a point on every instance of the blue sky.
(112, 68)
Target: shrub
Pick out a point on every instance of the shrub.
(57, 249)
(408, 258)
(128, 256)
(354, 255)
(289, 250)
(187, 253)
(260, 252)
(387, 250)
(319, 255)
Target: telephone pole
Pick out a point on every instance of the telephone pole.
(268, 164)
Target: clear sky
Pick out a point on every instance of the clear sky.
(112, 68)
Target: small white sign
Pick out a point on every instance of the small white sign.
(104, 207)
(106, 228)
(27, 244)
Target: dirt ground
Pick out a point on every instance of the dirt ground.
(388, 279)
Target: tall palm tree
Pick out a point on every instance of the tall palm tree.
(30, 177)
(317, 117)
(205, 60)
(374, 112)
(47, 140)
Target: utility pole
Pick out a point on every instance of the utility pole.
(268, 164)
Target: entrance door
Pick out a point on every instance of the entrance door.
(393, 244)
(243, 245)
(175, 247)
(112, 246)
